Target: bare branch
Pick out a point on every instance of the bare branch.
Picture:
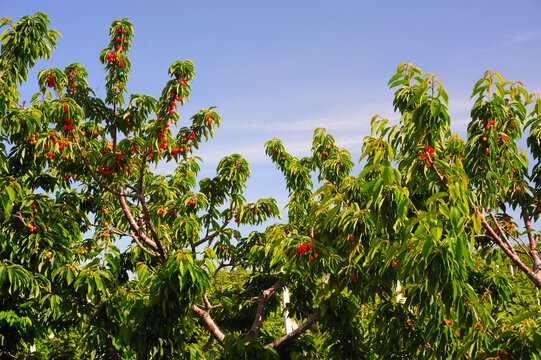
(534, 253)
(264, 295)
(150, 224)
(509, 246)
(298, 331)
(209, 323)
(217, 232)
(20, 217)
(514, 257)
(138, 231)
(8, 354)
(136, 239)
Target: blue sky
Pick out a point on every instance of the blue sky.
(283, 68)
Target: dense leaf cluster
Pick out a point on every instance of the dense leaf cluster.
(407, 259)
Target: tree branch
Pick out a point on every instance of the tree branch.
(136, 239)
(509, 246)
(264, 296)
(514, 257)
(298, 331)
(150, 223)
(209, 323)
(8, 354)
(140, 233)
(217, 232)
(86, 163)
(534, 253)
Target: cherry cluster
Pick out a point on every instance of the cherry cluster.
(61, 142)
(118, 39)
(162, 211)
(303, 249)
(111, 57)
(161, 136)
(429, 151)
(173, 104)
(192, 202)
(50, 82)
(72, 89)
(104, 170)
(32, 140)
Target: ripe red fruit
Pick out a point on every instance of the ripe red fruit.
(324, 154)
(395, 264)
(448, 322)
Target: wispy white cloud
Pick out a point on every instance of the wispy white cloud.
(526, 36)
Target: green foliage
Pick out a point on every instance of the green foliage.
(408, 259)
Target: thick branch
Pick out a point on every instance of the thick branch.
(149, 222)
(136, 239)
(140, 233)
(298, 331)
(214, 329)
(534, 253)
(514, 257)
(264, 295)
(507, 242)
(110, 348)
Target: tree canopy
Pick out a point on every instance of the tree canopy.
(410, 258)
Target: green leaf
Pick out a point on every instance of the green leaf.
(524, 316)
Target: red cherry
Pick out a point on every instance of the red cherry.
(395, 264)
